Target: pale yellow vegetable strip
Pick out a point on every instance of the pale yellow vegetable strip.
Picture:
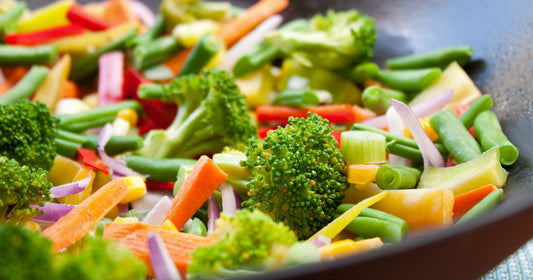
(348, 247)
(337, 225)
(49, 92)
(49, 16)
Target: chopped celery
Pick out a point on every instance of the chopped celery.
(360, 147)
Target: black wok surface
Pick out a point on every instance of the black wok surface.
(501, 34)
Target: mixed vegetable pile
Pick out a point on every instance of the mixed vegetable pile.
(209, 141)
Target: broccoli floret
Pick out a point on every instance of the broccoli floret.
(249, 242)
(99, 259)
(185, 11)
(212, 114)
(25, 254)
(297, 175)
(20, 187)
(334, 41)
(27, 134)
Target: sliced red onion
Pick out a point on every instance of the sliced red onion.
(70, 188)
(396, 126)
(157, 215)
(110, 78)
(229, 205)
(430, 154)
(252, 39)
(422, 110)
(145, 14)
(238, 200)
(52, 211)
(117, 165)
(321, 240)
(213, 213)
(162, 265)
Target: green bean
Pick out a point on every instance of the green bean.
(197, 227)
(81, 139)
(160, 170)
(437, 58)
(88, 64)
(26, 86)
(264, 52)
(390, 137)
(116, 145)
(150, 34)
(490, 134)
(378, 99)
(409, 80)
(10, 16)
(67, 148)
(299, 98)
(361, 73)
(155, 52)
(482, 103)
(393, 177)
(96, 116)
(395, 148)
(203, 51)
(374, 223)
(455, 137)
(19, 55)
(486, 204)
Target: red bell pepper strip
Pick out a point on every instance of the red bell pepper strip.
(43, 36)
(262, 132)
(337, 136)
(77, 14)
(155, 186)
(157, 114)
(278, 114)
(459, 109)
(336, 113)
(90, 159)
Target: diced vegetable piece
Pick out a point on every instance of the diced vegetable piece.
(361, 173)
(455, 78)
(420, 208)
(363, 147)
(136, 189)
(490, 134)
(482, 170)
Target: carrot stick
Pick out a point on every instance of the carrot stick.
(4, 87)
(117, 12)
(239, 26)
(178, 244)
(119, 230)
(69, 90)
(176, 62)
(85, 215)
(204, 179)
(465, 201)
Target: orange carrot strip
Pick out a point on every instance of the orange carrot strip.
(204, 179)
(119, 230)
(176, 62)
(117, 12)
(362, 114)
(4, 87)
(236, 28)
(178, 244)
(465, 201)
(69, 90)
(85, 215)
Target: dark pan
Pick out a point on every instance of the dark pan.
(501, 34)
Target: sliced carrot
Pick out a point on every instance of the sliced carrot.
(176, 62)
(121, 230)
(117, 12)
(236, 28)
(178, 244)
(69, 90)
(465, 201)
(85, 215)
(4, 87)
(204, 179)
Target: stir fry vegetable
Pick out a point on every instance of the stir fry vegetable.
(205, 142)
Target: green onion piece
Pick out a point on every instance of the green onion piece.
(363, 147)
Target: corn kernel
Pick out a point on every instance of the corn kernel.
(362, 173)
(129, 115)
(427, 128)
(136, 188)
(168, 225)
(348, 247)
(126, 220)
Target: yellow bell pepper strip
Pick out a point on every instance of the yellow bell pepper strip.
(337, 225)
(348, 247)
(419, 208)
(65, 171)
(427, 128)
(480, 171)
(90, 41)
(362, 173)
(49, 16)
(136, 189)
(50, 91)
